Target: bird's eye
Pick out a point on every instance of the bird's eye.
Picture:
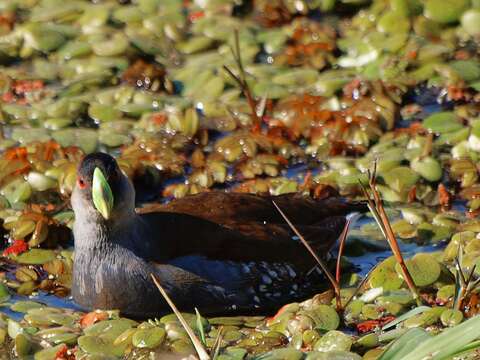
(81, 183)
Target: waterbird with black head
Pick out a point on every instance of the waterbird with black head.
(221, 252)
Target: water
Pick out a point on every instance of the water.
(49, 300)
(366, 262)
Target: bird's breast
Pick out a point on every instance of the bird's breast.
(108, 280)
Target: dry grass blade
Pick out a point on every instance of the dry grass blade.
(462, 279)
(242, 82)
(464, 285)
(427, 148)
(233, 76)
(236, 55)
(322, 265)
(217, 343)
(375, 205)
(201, 352)
(262, 106)
(470, 276)
(341, 247)
(457, 302)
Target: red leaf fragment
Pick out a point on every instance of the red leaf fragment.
(444, 197)
(370, 325)
(62, 353)
(279, 312)
(18, 247)
(412, 194)
(93, 317)
(194, 16)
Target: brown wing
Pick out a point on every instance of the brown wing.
(174, 235)
(244, 227)
(236, 209)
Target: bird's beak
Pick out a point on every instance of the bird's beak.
(102, 194)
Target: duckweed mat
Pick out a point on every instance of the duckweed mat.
(266, 96)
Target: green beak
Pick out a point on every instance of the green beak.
(102, 194)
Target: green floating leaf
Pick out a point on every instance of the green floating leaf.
(24, 306)
(469, 70)
(428, 167)
(86, 139)
(23, 345)
(332, 355)
(471, 22)
(4, 293)
(334, 340)
(14, 328)
(35, 257)
(425, 270)
(451, 317)
(400, 178)
(442, 122)
(445, 11)
(103, 113)
(97, 345)
(385, 276)
(286, 353)
(148, 338)
(49, 353)
(109, 329)
(325, 317)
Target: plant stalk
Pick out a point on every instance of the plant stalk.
(323, 266)
(202, 353)
(375, 205)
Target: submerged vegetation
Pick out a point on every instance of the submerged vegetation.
(374, 100)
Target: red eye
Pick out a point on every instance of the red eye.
(80, 183)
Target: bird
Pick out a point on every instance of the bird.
(220, 252)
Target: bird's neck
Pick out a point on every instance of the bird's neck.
(98, 234)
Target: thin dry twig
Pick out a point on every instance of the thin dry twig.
(341, 247)
(202, 353)
(323, 266)
(461, 292)
(465, 284)
(217, 343)
(242, 82)
(427, 148)
(375, 205)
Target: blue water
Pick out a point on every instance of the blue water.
(42, 297)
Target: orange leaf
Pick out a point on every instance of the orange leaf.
(93, 317)
(18, 247)
(444, 197)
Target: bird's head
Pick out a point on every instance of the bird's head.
(102, 192)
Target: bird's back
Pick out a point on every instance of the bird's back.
(241, 248)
